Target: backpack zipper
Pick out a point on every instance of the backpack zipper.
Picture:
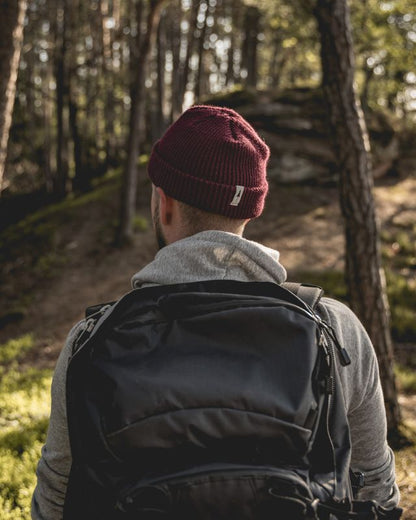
(129, 495)
(90, 324)
(329, 332)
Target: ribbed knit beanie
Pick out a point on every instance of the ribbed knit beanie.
(212, 159)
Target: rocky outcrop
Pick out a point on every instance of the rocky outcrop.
(294, 125)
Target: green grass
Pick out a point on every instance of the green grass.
(24, 417)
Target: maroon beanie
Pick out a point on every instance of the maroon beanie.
(212, 159)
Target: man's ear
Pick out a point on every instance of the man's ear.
(165, 207)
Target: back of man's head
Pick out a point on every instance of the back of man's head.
(213, 160)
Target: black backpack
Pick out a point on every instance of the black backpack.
(213, 400)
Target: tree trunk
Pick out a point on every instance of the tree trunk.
(160, 86)
(11, 39)
(198, 87)
(175, 33)
(249, 49)
(129, 189)
(61, 75)
(48, 118)
(364, 274)
(368, 76)
(234, 15)
(80, 182)
(108, 82)
(190, 42)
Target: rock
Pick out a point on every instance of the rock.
(294, 125)
(289, 168)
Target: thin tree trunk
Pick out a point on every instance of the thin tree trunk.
(80, 182)
(61, 75)
(198, 90)
(175, 47)
(160, 66)
(47, 107)
(368, 76)
(185, 64)
(135, 43)
(130, 180)
(11, 39)
(107, 81)
(234, 17)
(364, 274)
(249, 49)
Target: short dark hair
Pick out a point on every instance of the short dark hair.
(197, 220)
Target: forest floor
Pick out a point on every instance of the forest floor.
(46, 292)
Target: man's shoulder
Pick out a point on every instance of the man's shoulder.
(349, 331)
(338, 312)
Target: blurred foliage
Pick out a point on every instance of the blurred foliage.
(24, 417)
(406, 474)
(15, 348)
(406, 379)
(401, 294)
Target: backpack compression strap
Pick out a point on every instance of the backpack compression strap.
(310, 294)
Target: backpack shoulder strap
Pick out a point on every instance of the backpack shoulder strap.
(310, 294)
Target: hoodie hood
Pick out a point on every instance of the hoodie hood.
(212, 255)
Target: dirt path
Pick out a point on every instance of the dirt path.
(303, 223)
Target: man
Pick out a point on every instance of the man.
(209, 179)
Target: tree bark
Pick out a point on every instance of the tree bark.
(160, 86)
(249, 48)
(190, 43)
(365, 278)
(175, 34)
(130, 176)
(198, 87)
(234, 10)
(80, 181)
(11, 39)
(62, 79)
(108, 82)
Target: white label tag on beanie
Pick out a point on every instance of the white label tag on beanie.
(239, 190)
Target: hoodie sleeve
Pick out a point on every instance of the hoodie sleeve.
(364, 401)
(55, 462)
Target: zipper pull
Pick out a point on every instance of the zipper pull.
(343, 355)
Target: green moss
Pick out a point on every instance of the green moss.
(37, 231)
(406, 379)
(24, 417)
(332, 282)
(17, 482)
(24, 395)
(399, 245)
(15, 348)
(402, 298)
(21, 438)
(401, 294)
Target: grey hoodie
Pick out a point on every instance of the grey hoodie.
(217, 255)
